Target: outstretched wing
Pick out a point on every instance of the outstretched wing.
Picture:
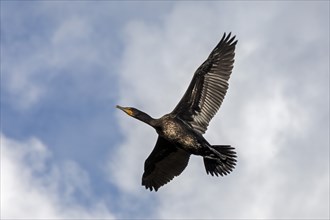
(208, 86)
(164, 163)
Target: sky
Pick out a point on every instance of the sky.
(68, 153)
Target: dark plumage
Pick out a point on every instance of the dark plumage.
(180, 132)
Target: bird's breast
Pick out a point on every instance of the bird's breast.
(171, 130)
(179, 133)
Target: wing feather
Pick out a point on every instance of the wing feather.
(208, 87)
(164, 163)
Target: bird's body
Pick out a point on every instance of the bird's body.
(180, 133)
(177, 131)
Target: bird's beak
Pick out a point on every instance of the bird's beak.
(125, 109)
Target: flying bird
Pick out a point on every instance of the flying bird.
(180, 133)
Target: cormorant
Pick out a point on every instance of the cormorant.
(180, 132)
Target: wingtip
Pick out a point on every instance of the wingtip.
(228, 38)
(150, 187)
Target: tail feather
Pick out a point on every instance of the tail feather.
(222, 162)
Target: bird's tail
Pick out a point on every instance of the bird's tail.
(221, 160)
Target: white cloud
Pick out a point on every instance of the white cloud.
(265, 115)
(33, 187)
(275, 113)
(69, 45)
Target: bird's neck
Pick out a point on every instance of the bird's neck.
(144, 117)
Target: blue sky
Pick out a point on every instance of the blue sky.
(65, 148)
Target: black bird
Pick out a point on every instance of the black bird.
(180, 132)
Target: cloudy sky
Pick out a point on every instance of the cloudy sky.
(66, 152)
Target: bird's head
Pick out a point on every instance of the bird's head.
(135, 113)
(128, 110)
